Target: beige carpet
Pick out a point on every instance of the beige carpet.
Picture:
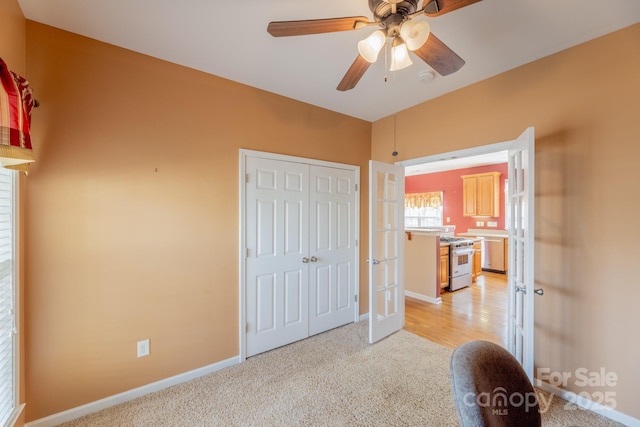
(332, 379)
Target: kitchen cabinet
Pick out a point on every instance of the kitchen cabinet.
(481, 194)
(444, 267)
(477, 260)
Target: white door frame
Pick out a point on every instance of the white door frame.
(243, 154)
(529, 241)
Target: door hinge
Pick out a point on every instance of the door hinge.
(247, 179)
(356, 243)
(356, 187)
(247, 253)
(246, 327)
(355, 297)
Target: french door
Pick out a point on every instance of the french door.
(521, 192)
(386, 249)
(299, 236)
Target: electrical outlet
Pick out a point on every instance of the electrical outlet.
(143, 348)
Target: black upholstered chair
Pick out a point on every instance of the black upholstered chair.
(490, 388)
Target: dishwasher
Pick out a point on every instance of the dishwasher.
(493, 254)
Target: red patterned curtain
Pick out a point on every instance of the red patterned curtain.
(423, 200)
(16, 103)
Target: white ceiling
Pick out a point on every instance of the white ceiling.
(229, 39)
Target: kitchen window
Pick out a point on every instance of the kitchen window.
(423, 209)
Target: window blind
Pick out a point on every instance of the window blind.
(7, 298)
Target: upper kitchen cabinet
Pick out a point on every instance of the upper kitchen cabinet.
(481, 194)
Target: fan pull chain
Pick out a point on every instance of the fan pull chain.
(393, 94)
(395, 150)
(386, 58)
(395, 117)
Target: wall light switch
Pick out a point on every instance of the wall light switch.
(448, 219)
(479, 223)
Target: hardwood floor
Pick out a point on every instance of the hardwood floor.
(476, 312)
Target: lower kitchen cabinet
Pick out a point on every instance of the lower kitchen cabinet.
(477, 260)
(444, 267)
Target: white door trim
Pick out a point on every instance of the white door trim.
(530, 240)
(466, 152)
(243, 154)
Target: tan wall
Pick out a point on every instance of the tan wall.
(422, 265)
(584, 104)
(12, 51)
(119, 252)
(12, 36)
(133, 212)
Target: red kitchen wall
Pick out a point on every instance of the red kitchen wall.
(450, 183)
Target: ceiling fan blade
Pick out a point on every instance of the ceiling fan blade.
(439, 56)
(354, 74)
(314, 26)
(440, 7)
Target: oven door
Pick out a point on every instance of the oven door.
(461, 265)
(461, 261)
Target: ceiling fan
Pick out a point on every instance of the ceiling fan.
(395, 20)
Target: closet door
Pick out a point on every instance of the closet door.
(277, 265)
(332, 226)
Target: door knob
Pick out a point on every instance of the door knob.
(521, 289)
(374, 262)
(539, 291)
(305, 260)
(313, 259)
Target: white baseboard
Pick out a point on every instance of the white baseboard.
(116, 399)
(364, 317)
(421, 297)
(588, 404)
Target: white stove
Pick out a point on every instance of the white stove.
(460, 261)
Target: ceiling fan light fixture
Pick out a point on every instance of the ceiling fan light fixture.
(370, 47)
(415, 33)
(399, 55)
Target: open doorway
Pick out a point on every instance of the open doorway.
(480, 310)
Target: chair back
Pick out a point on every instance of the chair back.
(490, 387)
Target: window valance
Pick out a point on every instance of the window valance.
(423, 200)
(16, 103)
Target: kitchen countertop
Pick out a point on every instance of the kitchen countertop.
(474, 232)
(436, 231)
(411, 233)
(418, 232)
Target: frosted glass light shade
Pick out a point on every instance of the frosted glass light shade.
(399, 57)
(370, 47)
(415, 33)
